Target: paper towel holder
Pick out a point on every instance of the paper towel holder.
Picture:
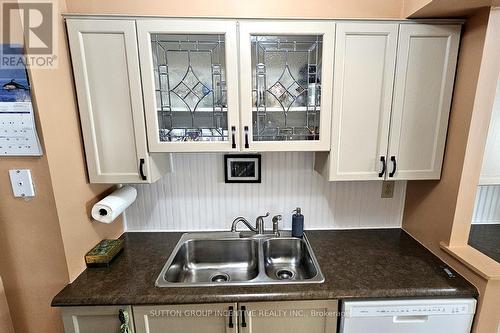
(113, 205)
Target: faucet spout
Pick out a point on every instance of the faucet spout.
(245, 222)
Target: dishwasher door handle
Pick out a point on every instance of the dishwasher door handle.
(410, 319)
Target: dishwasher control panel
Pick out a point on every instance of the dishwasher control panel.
(408, 308)
(412, 310)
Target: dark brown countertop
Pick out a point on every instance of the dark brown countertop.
(486, 239)
(356, 264)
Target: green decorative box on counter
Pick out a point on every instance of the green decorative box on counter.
(103, 253)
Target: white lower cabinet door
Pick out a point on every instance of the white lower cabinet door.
(206, 318)
(290, 316)
(95, 319)
(365, 59)
(423, 87)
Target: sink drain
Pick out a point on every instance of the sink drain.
(284, 274)
(220, 277)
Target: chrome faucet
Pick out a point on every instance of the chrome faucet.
(245, 222)
(259, 224)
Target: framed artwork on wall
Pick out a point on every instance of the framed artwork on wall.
(242, 168)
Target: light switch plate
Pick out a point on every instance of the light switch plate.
(22, 183)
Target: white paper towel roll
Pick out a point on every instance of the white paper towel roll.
(108, 209)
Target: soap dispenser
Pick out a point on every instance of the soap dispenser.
(297, 223)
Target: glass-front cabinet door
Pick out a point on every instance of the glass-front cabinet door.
(190, 84)
(286, 75)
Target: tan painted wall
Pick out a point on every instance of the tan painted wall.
(65, 156)
(43, 241)
(478, 133)
(32, 262)
(411, 6)
(444, 8)
(433, 207)
(488, 320)
(430, 205)
(238, 8)
(5, 320)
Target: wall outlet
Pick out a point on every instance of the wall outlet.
(387, 189)
(22, 183)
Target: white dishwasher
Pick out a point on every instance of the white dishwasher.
(408, 316)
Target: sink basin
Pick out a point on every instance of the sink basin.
(225, 258)
(288, 259)
(210, 260)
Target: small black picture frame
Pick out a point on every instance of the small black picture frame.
(242, 168)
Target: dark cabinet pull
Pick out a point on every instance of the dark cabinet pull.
(231, 324)
(243, 321)
(394, 166)
(381, 173)
(233, 136)
(246, 137)
(141, 169)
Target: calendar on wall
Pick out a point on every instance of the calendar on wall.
(18, 135)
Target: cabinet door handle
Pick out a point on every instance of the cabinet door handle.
(243, 321)
(231, 324)
(141, 169)
(246, 137)
(381, 173)
(394, 166)
(233, 136)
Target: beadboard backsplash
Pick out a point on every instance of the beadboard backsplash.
(487, 207)
(195, 197)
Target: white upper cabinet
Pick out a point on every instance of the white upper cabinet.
(365, 58)
(108, 84)
(391, 102)
(371, 98)
(423, 87)
(286, 76)
(190, 84)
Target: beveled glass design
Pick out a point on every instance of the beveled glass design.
(286, 82)
(190, 82)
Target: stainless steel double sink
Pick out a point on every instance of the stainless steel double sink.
(228, 258)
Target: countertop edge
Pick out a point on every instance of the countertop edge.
(207, 299)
